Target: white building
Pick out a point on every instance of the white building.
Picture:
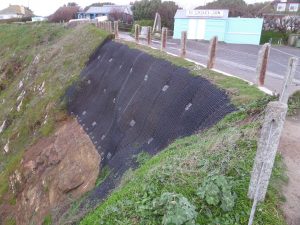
(15, 11)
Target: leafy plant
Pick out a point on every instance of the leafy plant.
(142, 157)
(176, 209)
(217, 189)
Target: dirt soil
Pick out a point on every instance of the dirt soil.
(54, 172)
(290, 149)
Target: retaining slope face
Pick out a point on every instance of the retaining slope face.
(128, 102)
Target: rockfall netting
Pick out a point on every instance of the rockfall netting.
(128, 102)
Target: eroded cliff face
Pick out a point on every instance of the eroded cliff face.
(53, 172)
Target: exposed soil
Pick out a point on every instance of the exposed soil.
(290, 149)
(53, 172)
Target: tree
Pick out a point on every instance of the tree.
(145, 9)
(236, 7)
(98, 4)
(167, 11)
(65, 13)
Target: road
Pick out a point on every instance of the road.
(238, 60)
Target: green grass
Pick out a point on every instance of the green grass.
(227, 150)
(47, 220)
(294, 103)
(166, 188)
(43, 56)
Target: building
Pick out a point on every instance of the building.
(120, 12)
(15, 11)
(204, 24)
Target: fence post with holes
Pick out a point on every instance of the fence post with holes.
(212, 52)
(269, 141)
(183, 43)
(149, 35)
(116, 29)
(164, 38)
(136, 32)
(290, 74)
(262, 62)
(110, 29)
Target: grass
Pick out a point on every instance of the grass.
(227, 150)
(294, 103)
(168, 188)
(40, 60)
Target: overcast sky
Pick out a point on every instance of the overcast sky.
(45, 8)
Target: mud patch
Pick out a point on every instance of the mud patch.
(54, 172)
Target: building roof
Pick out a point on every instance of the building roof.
(202, 13)
(106, 9)
(16, 9)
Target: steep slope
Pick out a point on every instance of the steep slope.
(37, 63)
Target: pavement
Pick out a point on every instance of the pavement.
(237, 59)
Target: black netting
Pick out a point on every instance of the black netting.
(128, 101)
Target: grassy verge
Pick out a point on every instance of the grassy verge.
(201, 179)
(38, 63)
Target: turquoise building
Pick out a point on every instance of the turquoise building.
(204, 24)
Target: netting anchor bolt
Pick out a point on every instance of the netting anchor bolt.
(89, 82)
(110, 60)
(102, 138)
(165, 88)
(94, 124)
(150, 140)
(146, 77)
(188, 106)
(84, 113)
(108, 155)
(132, 123)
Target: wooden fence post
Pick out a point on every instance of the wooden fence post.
(149, 35)
(164, 33)
(110, 30)
(262, 62)
(137, 32)
(183, 43)
(116, 29)
(212, 52)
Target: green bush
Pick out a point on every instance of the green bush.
(143, 23)
(275, 35)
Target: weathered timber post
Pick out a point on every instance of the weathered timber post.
(149, 35)
(116, 29)
(212, 52)
(164, 33)
(262, 62)
(183, 43)
(110, 30)
(269, 140)
(290, 74)
(105, 26)
(136, 32)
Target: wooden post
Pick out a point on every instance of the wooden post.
(212, 52)
(290, 74)
(110, 30)
(183, 43)
(149, 35)
(116, 29)
(164, 33)
(262, 62)
(136, 32)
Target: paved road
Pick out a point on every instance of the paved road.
(239, 60)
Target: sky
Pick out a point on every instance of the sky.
(45, 8)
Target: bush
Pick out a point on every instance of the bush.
(275, 35)
(143, 23)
